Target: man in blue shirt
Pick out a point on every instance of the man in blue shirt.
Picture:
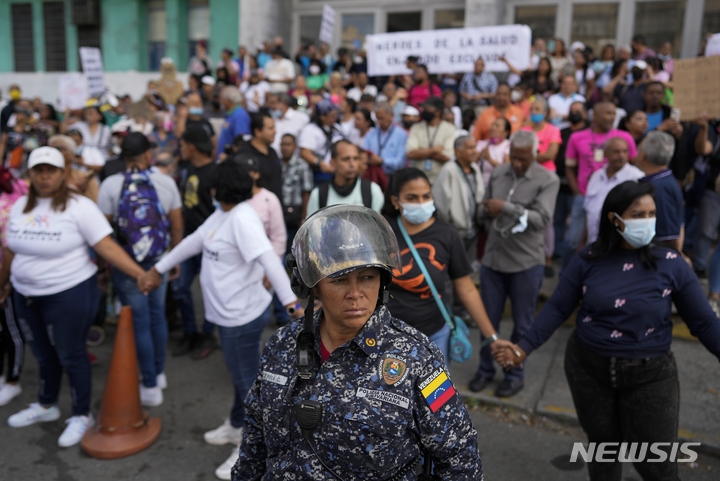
(237, 120)
(654, 155)
(386, 142)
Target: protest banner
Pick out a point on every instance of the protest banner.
(695, 87)
(327, 26)
(92, 66)
(72, 91)
(450, 50)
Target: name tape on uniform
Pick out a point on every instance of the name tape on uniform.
(274, 378)
(437, 389)
(384, 396)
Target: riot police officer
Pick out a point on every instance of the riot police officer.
(350, 392)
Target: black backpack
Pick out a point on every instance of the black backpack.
(365, 186)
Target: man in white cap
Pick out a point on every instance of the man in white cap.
(410, 116)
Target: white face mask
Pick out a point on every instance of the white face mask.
(638, 232)
(314, 70)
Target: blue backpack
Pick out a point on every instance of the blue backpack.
(143, 226)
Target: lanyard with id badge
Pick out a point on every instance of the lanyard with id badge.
(428, 162)
(598, 151)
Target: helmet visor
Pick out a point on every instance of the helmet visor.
(342, 238)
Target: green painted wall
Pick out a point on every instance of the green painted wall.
(6, 54)
(224, 20)
(39, 35)
(71, 40)
(123, 34)
(176, 42)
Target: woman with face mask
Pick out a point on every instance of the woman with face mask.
(442, 251)
(618, 363)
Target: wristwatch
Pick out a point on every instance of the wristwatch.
(489, 340)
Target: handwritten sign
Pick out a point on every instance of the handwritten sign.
(72, 91)
(451, 50)
(327, 27)
(92, 66)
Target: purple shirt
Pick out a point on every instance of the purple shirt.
(581, 152)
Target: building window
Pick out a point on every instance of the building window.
(23, 47)
(540, 19)
(660, 22)
(450, 18)
(594, 24)
(55, 47)
(711, 20)
(198, 23)
(404, 21)
(157, 32)
(310, 28)
(355, 27)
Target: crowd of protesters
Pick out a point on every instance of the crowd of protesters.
(514, 166)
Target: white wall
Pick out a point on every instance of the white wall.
(45, 84)
(264, 20)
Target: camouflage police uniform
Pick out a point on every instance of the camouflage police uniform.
(387, 399)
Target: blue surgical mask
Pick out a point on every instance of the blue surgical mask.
(537, 118)
(276, 113)
(418, 213)
(196, 111)
(638, 232)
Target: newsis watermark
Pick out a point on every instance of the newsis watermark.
(634, 452)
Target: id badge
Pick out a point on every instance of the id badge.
(428, 165)
(599, 155)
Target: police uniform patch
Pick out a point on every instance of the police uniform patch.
(393, 369)
(437, 389)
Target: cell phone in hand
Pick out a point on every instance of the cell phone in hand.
(675, 114)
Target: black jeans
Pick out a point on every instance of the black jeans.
(630, 400)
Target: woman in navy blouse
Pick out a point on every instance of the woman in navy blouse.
(618, 363)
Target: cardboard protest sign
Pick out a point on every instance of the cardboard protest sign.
(695, 87)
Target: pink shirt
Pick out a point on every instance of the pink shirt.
(20, 188)
(548, 135)
(268, 208)
(417, 94)
(581, 150)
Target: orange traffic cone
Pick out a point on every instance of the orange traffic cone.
(122, 428)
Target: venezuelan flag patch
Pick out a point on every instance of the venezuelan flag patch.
(437, 389)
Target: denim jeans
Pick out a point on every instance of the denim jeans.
(563, 208)
(631, 400)
(575, 230)
(241, 348)
(183, 295)
(709, 222)
(442, 341)
(523, 289)
(149, 324)
(56, 328)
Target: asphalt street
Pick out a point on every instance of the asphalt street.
(514, 445)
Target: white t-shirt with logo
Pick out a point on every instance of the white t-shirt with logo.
(230, 276)
(52, 247)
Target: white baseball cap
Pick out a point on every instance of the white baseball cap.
(410, 110)
(208, 80)
(46, 155)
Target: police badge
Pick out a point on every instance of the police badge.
(393, 369)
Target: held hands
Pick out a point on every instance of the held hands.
(507, 354)
(149, 281)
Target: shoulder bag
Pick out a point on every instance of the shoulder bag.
(460, 347)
